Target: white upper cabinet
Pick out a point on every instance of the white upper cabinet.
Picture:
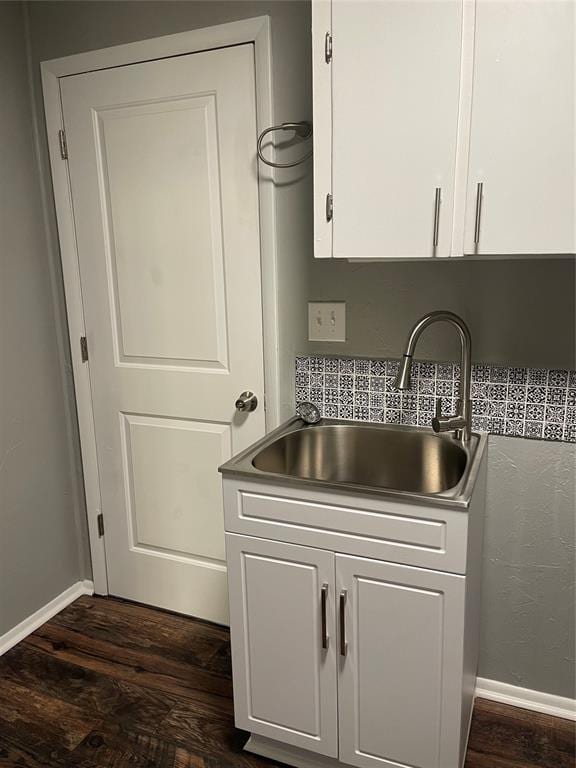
(522, 130)
(418, 102)
(395, 96)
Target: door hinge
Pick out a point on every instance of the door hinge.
(84, 349)
(329, 207)
(63, 144)
(100, 523)
(328, 47)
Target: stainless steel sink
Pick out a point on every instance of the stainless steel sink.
(418, 462)
(408, 463)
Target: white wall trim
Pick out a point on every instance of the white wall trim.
(537, 701)
(254, 30)
(42, 615)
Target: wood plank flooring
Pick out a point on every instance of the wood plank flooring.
(110, 684)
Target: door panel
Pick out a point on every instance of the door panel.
(165, 196)
(162, 295)
(169, 462)
(284, 681)
(399, 683)
(395, 91)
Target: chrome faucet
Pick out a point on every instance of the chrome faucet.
(461, 421)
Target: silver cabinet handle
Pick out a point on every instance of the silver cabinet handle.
(329, 207)
(246, 402)
(343, 643)
(437, 201)
(479, 193)
(323, 601)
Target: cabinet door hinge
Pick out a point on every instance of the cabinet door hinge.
(100, 522)
(328, 47)
(329, 207)
(63, 144)
(84, 349)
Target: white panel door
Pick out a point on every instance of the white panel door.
(284, 678)
(395, 89)
(164, 188)
(400, 680)
(522, 141)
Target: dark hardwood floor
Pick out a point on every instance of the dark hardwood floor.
(111, 684)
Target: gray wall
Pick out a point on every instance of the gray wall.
(41, 544)
(528, 601)
(521, 313)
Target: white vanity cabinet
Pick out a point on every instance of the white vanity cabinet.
(282, 604)
(399, 682)
(444, 128)
(354, 624)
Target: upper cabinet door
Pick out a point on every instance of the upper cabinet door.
(283, 642)
(395, 71)
(522, 130)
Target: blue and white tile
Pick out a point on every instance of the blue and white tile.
(331, 365)
(516, 392)
(331, 380)
(517, 375)
(529, 402)
(538, 376)
(553, 431)
(555, 396)
(317, 364)
(535, 411)
(536, 394)
(345, 365)
(534, 429)
(557, 378)
(377, 367)
(514, 428)
(362, 367)
(361, 399)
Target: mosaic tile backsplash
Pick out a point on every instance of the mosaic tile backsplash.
(520, 402)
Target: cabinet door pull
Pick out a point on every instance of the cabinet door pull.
(323, 600)
(437, 201)
(343, 643)
(479, 192)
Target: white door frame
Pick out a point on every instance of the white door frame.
(256, 31)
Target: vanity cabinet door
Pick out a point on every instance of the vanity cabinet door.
(282, 625)
(400, 678)
(394, 100)
(522, 129)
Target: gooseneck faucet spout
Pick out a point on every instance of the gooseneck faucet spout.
(461, 421)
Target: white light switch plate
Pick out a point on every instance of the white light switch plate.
(326, 321)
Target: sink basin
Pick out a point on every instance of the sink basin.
(400, 462)
(403, 460)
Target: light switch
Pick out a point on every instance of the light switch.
(326, 321)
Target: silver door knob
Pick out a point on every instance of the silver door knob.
(247, 402)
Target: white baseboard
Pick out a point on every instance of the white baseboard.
(41, 616)
(537, 701)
